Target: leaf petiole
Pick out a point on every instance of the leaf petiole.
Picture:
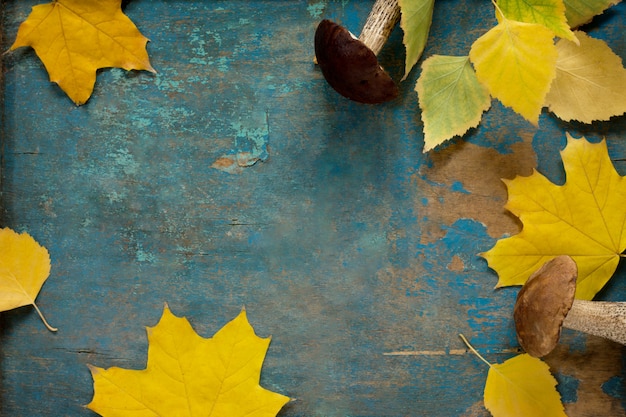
(474, 351)
(52, 329)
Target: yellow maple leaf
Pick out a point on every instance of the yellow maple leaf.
(516, 61)
(584, 218)
(521, 386)
(188, 375)
(24, 267)
(590, 81)
(74, 38)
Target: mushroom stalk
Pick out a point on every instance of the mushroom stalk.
(599, 318)
(379, 24)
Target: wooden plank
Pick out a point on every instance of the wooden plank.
(347, 244)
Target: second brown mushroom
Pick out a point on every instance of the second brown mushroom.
(349, 64)
(546, 303)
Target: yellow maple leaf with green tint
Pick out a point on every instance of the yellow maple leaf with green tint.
(450, 97)
(24, 267)
(74, 38)
(517, 63)
(579, 12)
(590, 81)
(415, 19)
(583, 218)
(188, 375)
(550, 13)
(521, 386)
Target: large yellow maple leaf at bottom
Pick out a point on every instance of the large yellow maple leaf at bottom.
(584, 218)
(188, 375)
(74, 38)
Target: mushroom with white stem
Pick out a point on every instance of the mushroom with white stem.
(349, 64)
(546, 303)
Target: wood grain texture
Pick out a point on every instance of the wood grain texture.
(342, 240)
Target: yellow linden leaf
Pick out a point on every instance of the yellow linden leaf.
(522, 386)
(584, 218)
(579, 12)
(516, 61)
(590, 81)
(74, 38)
(24, 267)
(415, 19)
(188, 375)
(451, 98)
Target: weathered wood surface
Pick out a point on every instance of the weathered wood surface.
(344, 242)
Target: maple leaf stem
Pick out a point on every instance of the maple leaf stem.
(52, 329)
(474, 351)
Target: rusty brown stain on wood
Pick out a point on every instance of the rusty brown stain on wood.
(480, 170)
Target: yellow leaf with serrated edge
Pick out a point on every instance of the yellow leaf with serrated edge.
(415, 19)
(550, 13)
(516, 61)
(522, 387)
(188, 375)
(24, 267)
(583, 218)
(450, 97)
(579, 12)
(74, 38)
(590, 81)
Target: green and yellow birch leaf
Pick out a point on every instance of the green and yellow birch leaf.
(590, 82)
(415, 20)
(517, 63)
(579, 12)
(450, 97)
(583, 218)
(550, 13)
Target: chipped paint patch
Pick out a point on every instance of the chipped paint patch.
(251, 146)
(316, 9)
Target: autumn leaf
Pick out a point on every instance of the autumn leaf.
(516, 61)
(24, 267)
(188, 375)
(450, 97)
(590, 81)
(579, 12)
(550, 13)
(415, 19)
(521, 386)
(584, 218)
(74, 38)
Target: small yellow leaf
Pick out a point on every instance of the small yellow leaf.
(451, 98)
(550, 13)
(516, 61)
(24, 267)
(522, 387)
(188, 375)
(590, 81)
(579, 12)
(74, 38)
(584, 218)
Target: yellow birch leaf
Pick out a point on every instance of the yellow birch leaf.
(188, 375)
(24, 267)
(584, 218)
(550, 13)
(450, 97)
(74, 38)
(579, 12)
(521, 387)
(516, 61)
(415, 19)
(590, 81)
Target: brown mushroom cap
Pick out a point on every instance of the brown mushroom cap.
(350, 67)
(543, 303)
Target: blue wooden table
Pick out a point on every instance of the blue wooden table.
(354, 250)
